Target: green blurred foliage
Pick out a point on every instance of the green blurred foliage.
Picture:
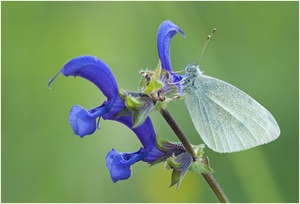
(255, 48)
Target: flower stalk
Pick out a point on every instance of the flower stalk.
(211, 181)
(185, 142)
(215, 187)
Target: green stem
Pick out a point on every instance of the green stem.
(215, 187)
(185, 142)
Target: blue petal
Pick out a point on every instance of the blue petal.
(153, 154)
(165, 32)
(81, 121)
(94, 70)
(119, 164)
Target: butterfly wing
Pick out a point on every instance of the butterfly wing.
(227, 119)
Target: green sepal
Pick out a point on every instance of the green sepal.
(124, 112)
(158, 70)
(180, 164)
(172, 163)
(140, 115)
(153, 87)
(149, 82)
(123, 93)
(145, 80)
(175, 178)
(162, 104)
(138, 118)
(160, 143)
(201, 166)
(168, 149)
(180, 161)
(133, 103)
(137, 104)
(199, 149)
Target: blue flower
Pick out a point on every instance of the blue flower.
(166, 31)
(83, 122)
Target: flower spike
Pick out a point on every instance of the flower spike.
(83, 121)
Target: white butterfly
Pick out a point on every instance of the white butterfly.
(227, 119)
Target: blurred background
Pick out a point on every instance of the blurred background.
(255, 48)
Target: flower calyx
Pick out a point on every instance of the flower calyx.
(153, 92)
(179, 161)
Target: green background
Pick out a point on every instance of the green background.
(255, 48)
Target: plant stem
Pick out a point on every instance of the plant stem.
(185, 142)
(215, 187)
(187, 145)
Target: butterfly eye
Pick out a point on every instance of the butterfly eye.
(191, 68)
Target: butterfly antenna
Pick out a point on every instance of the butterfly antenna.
(206, 43)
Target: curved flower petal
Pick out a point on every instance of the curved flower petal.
(119, 164)
(165, 32)
(94, 70)
(81, 121)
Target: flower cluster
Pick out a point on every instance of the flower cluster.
(130, 109)
(83, 122)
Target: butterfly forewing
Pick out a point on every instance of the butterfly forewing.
(227, 119)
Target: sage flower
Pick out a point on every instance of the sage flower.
(83, 121)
